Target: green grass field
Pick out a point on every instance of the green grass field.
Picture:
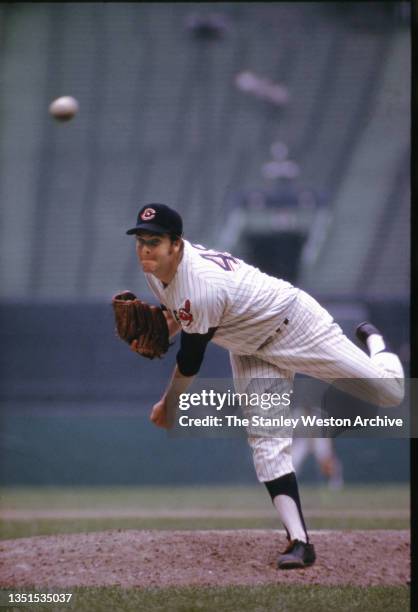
(91, 509)
(271, 598)
(251, 497)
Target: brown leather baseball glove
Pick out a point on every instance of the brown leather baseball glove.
(137, 320)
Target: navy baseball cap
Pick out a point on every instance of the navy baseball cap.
(159, 219)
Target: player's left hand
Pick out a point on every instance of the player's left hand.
(159, 414)
(143, 326)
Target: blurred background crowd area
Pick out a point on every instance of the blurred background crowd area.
(172, 112)
(280, 131)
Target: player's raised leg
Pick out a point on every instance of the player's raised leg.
(313, 344)
(380, 355)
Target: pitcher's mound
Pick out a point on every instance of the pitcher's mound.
(145, 559)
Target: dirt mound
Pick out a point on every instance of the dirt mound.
(144, 559)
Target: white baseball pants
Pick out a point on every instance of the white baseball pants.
(312, 344)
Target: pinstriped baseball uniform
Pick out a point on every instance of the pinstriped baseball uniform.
(272, 331)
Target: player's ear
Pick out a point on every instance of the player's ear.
(177, 244)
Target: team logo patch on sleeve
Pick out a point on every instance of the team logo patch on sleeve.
(185, 314)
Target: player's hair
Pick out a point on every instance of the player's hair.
(173, 237)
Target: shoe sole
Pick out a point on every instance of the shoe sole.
(294, 565)
(362, 335)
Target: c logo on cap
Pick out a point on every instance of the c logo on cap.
(148, 214)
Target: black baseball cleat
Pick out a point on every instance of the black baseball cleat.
(366, 329)
(297, 555)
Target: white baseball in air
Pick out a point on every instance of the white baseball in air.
(64, 108)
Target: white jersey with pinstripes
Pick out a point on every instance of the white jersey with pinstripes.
(247, 306)
(213, 289)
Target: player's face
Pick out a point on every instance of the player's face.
(157, 254)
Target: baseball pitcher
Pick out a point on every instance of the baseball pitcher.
(271, 329)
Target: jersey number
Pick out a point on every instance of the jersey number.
(223, 260)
